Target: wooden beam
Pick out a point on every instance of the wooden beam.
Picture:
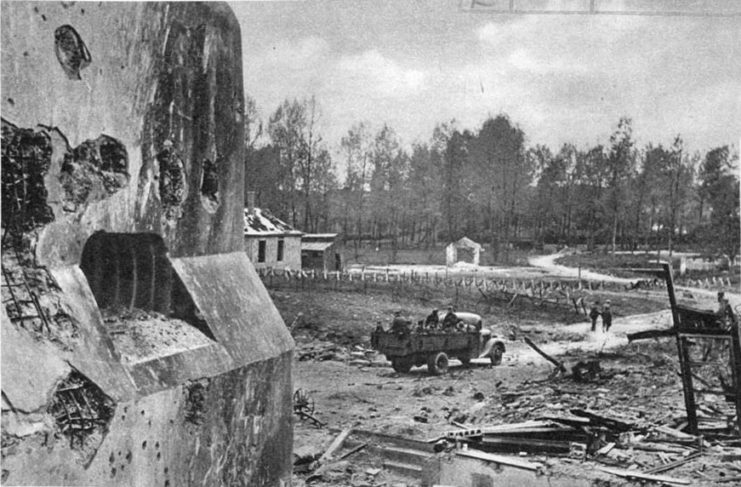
(633, 474)
(335, 445)
(488, 457)
(674, 464)
(552, 360)
(687, 387)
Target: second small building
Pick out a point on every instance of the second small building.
(270, 242)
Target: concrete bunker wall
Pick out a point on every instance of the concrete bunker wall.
(123, 123)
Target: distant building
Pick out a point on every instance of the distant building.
(269, 241)
(463, 250)
(321, 251)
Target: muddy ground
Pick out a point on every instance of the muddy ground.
(351, 386)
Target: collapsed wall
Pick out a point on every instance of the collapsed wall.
(139, 346)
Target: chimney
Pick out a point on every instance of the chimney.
(250, 202)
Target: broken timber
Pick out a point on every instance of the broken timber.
(632, 474)
(335, 445)
(691, 326)
(552, 360)
(328, 455)
(488, 457)
(669, 466)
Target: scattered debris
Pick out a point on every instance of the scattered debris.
(586, 371)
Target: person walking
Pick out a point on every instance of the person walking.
(594, 314)
(606, 317)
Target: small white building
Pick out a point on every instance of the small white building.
(270, 242)
(463, 250)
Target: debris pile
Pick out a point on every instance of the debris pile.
(140, 335)
(631, 449)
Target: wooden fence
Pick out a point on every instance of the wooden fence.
(471, 292)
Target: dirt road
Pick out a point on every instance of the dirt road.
(548, 264)
(705, 298)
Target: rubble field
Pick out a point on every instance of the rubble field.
(613, 416)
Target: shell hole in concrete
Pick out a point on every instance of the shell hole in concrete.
(26, 157)
(210, 186)
(82, 412)
(93, 171)
(71, 51)
(147, 310)
(173, 187)
(195, 402)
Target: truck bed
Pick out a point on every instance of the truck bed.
(400, 345)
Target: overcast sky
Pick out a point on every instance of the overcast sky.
(413, 64)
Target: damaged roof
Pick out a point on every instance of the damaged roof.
(320, 237)
(262, 222)
(466, 242)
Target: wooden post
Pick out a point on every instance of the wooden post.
(555, 362)
(736, 355)
(687, 387)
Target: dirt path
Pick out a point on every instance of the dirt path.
(548, 263)
(519, 353)
(705, 298)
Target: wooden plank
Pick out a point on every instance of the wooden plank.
(515, 445)
(675, 433)
(505, 428)
(502, 460)
(634, 474)
(671, 465)
(335, 445)
(658, 448)
(353, 451)
(605, 449)
(555, 362)
(605, 421)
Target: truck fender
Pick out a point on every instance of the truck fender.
(489, 347)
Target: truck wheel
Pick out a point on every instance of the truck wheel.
(437, 364)
(401, 365)
(496, 356)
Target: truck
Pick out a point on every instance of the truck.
(436, 347)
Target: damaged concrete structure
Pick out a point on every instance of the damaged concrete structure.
(139, 346)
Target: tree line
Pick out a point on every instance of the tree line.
(491, 185)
